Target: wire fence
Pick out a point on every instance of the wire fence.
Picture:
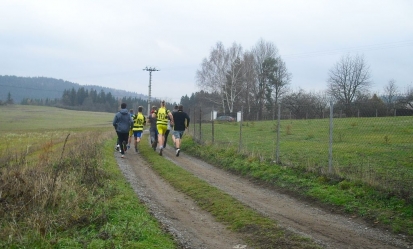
(372, 149)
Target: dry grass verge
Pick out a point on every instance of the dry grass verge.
(73, 195)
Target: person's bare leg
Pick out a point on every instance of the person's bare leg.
(178, 146)
(160, 142)
(161, 139)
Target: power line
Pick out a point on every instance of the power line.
(150, 69)
(352, 49)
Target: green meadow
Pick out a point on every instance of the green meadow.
(377, 151)
(27, 127)
(35, 118)
(371, 171)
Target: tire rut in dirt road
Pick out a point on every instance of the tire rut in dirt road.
(192, 227)
(327, 229)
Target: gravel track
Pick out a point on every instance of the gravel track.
(195, 228)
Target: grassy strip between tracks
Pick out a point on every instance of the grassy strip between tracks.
(258, 231)
(377, 207)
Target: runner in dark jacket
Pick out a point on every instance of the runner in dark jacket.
(122, 123)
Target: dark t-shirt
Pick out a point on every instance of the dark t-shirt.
(181, 120)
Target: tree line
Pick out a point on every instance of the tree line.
(91, 100)
(257, 80)
(253, 79)
(296, 104)
(102, 101)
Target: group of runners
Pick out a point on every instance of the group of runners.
(161, 120)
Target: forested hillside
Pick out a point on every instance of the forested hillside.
(48, 88)
(66, 94)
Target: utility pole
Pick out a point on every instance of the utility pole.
(150, 69)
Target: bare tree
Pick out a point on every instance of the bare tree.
(407, 100)
(348, 78)
(322, 103)
(262, 51)
(235, 83)
(390, 92)
(282, 79)
(211, 76)
(222, 72)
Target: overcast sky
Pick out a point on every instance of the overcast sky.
(109, 43)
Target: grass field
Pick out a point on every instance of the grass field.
(74, 195)
(14, 118)
(26, 127)
(377, 151)
(378, 206)
(60, 185)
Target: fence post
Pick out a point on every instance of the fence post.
(213, 127)
(189, 115)
(330, 146)
(194, 124)
(277, 146)
(240, 130)
(200, 130)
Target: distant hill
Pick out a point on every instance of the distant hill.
(43, 88)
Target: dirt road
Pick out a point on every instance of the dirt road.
(195, 228)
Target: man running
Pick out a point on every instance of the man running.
(122, 123)
(173, 137)
(162, 115)
(139, 121)
(169, 128)
(181, 122)
(153, 131)
(131, 113)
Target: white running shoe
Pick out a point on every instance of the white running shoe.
(177, 152)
